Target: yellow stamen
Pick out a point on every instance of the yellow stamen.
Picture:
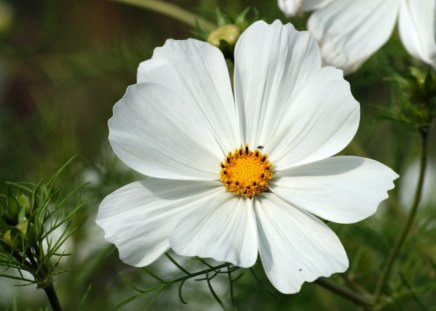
(246, 172)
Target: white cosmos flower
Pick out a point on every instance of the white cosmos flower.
(290, 7)
(295, 7)
(349, 32)
(180, 126)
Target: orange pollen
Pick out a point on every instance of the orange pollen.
(246, 172)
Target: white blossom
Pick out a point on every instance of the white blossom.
(233, 174)
(349, 32)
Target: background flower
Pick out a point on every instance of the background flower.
(295, 7)
(349, 32)
(408, 181)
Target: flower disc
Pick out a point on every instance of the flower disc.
(246, 172)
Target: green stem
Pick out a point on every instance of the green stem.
(354, 285)
(397, 248)
(177, 264)
(40, 275)
(191, 275)
(214, 294)
(345, 293)
(173, 11)
(53, 298)
(232, 295)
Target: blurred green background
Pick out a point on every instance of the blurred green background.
(64, 64)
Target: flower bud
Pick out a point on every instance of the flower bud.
(16, 238)
(7, 237)
(24, 201)
(22, 226)
(228, 33)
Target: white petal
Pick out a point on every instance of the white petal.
(139, 217)
(295, 247)
(290, 7)
(295, 7)
(342, 189)
(418, 29)
(224, 230)
(160, 134)
(309, 5)
(322, 119)
(197, 70)
(271, 63)
(349, 32)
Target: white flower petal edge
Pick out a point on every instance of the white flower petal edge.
(295, 247)
(224, 229)
(349, 32)
(295, 7)
(417, 24)
(197, 70)
(272, 62)
(321, 120)
(139, 217)
(342, 189)
(310, 5)
(290, 7)
(161, 134)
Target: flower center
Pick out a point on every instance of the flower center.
(246, 172)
